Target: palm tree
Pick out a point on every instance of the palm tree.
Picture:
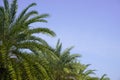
(67, 67)
(16, 35)
(40, 61)
(63, 66)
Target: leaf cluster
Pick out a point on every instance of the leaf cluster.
(24, 56)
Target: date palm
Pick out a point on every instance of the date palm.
(67, 67)
(62, 67)
(16, 35)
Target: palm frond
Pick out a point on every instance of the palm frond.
(13, 10)
(6, 5)
(28, 15)
(41, 30)
(103, 76)
(37, 19)
(24, 11)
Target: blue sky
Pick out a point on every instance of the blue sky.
(92, 26)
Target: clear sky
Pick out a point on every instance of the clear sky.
(92, 26)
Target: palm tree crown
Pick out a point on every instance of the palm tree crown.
(16, 34)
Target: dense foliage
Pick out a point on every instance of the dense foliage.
(41, 62)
